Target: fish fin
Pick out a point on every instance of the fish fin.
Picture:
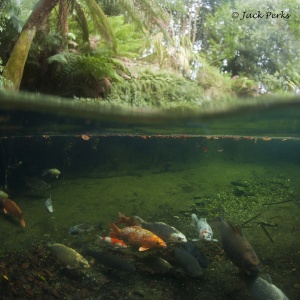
(268, 278)
(235, 228)
(5, 211)
(123, 219)
(44, 172)
(114, 227)
(143, 249)
(22, 221)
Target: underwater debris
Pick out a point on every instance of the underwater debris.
(262, 226)
(279, 202)
(251, 219)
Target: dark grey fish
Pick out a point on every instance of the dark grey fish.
(36, 184)
(81, 228)
(188, 263)
(238, 249)
(111, 260)
(261, 289)
(192, 249)
(165, 232)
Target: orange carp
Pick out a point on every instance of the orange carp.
(11, 208)
(136, 236)
(166, 232)
(238, 249)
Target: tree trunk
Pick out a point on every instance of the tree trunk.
(15, 65)
(63, 27)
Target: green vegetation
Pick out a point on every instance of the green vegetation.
(147, 53)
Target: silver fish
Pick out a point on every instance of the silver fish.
(48, 205)
(68, 257)
(36, 184)
(203, 229)
(81, 228)
(52, 172)
(261, 289)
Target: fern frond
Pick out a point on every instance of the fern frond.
(101, 22)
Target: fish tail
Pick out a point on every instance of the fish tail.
(22, 221)
(194, 217)
(123, 219)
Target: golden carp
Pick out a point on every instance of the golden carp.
(136, 236)
(164, 231)
(11, 208)
(68, 256)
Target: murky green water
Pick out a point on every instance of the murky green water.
(243, 162)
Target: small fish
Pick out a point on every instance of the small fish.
(136, 236)
(11, 208)
(112, 242)
(166, 232)
(203, 229)
(52, 172)
(36, 184)
(48, 205)
(238, 249)
(81, 228)
(191, 248)
(261, 289)
(187, 262)
(3, 195)
(110, 260)
(68, 256)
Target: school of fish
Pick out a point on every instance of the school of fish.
(138, 234)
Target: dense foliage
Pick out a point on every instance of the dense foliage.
(265, 49)
(138, 51)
